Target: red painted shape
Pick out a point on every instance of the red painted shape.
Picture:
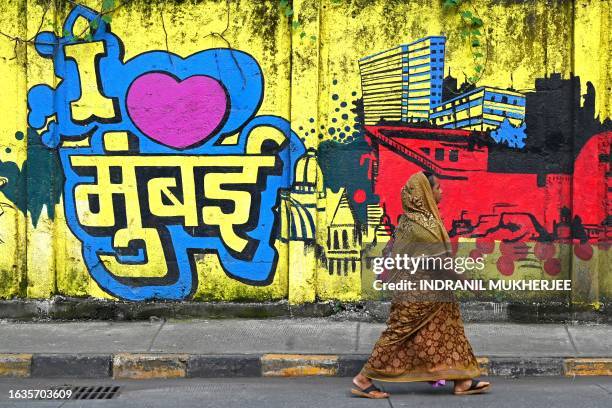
(583, 251)
(544, 250)
(505, 265)
(592, 185)
(478, 203)
(359, 196)
(475, 253)
(486, 246)
(552, 266)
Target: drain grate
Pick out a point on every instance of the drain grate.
(97, 393)
(86, 392)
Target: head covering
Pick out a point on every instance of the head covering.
(420, 208)
(420, 232)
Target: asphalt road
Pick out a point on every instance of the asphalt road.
(549, 392)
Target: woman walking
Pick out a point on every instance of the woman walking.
(424, 339)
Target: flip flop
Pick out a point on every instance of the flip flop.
(474, 389)
(367, 393)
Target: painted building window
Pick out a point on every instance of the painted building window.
(426, 150)
(336, 241)
(439, 154)
(345, 240)
(453, 155)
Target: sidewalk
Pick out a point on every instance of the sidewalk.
(276, 347)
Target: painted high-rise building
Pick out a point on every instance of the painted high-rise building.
(425, 75)
(483, 108)
(382, 83)
(404, 82)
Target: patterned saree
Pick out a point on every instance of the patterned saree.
(424, 339)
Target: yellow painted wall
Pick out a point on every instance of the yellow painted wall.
(308, 70)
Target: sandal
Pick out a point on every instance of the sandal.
(474, 389)
(367, 393)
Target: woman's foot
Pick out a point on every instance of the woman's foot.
(366, 389)
(469, 387)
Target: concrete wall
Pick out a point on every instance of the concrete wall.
(214, 150)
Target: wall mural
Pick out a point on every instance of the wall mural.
(158, 159)
(480, 142)
(158, 179)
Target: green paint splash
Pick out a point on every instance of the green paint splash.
(38, 183)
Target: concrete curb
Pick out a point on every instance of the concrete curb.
(153, 365)
(73, 366)
(15, 365)
(203, 366)
(587, 366)
(298, 365)
(144, 366)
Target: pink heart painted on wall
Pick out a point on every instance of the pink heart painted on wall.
(177, 114)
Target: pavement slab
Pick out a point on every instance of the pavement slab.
(291, 336)
(526, 340)
(241, 336)
(77, 337)
(591, 340)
